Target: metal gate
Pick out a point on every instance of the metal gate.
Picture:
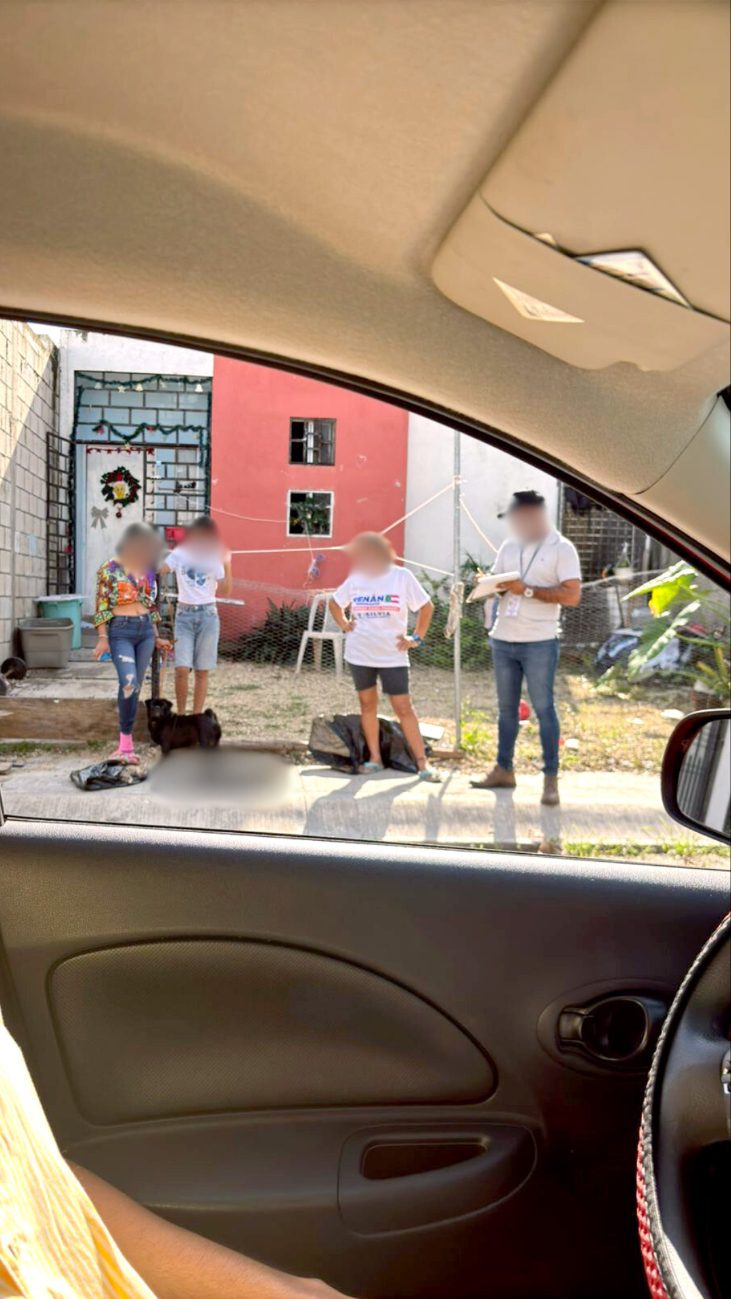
(59, 475)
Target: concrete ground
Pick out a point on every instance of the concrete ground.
(232, 790)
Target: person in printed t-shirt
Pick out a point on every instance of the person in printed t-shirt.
(200, 563)
(525, 633)
(379, 594)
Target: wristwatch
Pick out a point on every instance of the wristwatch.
(529, 593)
(419, 639)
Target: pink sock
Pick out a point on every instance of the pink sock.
(125, 743)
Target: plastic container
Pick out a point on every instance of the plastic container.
(63, 606)
(46, 641)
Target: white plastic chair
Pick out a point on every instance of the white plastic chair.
(327, 630)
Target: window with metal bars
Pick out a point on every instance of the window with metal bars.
(312, 441)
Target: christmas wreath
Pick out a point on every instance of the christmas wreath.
(121, 488)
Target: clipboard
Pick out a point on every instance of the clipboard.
(488, 585)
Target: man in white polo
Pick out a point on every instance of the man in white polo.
(525, 634)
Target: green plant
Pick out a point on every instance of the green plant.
(277, 639)
(677, 600)
(478, 733)
(475, 648)
(311, 516)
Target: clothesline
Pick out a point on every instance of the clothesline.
(247, 518)
(301, 550)
(308, 549)
(476, 525)
(251, 518)
(449, 488)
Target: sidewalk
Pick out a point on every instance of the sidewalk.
(235, 791)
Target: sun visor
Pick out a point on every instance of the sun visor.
(601, 234)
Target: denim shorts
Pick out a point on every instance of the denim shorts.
(196, 636)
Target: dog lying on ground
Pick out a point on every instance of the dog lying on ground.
(172, 731)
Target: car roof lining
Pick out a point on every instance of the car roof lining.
(278, 178)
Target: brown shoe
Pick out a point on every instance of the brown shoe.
(498, 778)
(550, 791)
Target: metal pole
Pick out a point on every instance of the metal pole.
(457, 561)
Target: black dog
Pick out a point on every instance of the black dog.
(171, 731)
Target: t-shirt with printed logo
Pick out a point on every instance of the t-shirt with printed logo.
(198, 575)
(380, 608)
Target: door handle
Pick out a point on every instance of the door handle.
(620, 1029)
(395, 1179)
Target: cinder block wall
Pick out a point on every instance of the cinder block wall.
(28, 410)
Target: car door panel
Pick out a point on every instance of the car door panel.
(220, 1024)
(331, 1058)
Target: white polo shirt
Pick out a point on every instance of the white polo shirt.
(553, 561)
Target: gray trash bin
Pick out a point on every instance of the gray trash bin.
(46, 642)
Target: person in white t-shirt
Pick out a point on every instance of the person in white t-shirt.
(379, 595)
(202, 567)
(525, 633)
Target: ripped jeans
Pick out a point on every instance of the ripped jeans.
(131, 642)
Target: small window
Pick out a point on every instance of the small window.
(309, 514)
(312, 442)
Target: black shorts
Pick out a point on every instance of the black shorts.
(395, 681)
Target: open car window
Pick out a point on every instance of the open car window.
(111, 432)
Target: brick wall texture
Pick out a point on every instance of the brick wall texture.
(28, 412)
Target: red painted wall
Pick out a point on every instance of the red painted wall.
(251, 475)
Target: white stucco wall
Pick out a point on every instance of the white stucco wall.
(489, 477)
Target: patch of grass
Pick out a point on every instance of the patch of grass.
(27, 748)
(478, 733)
(602, 724)
(582, 848)
(671, 852)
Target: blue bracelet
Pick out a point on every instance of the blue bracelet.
(419, 639)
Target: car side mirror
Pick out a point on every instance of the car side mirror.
(696, 773)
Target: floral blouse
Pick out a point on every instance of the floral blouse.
(115, 587)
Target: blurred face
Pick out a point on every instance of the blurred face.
(203, 544)
(369, 559)
(141, 554)
(530, 523)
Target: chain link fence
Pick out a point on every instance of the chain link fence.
(280, 658)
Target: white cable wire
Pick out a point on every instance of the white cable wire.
(476, 525)
(449, 488)
(248, 518)
(301, 550)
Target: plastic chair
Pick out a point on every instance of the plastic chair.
(328, 630)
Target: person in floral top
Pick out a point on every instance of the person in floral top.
(127, 620)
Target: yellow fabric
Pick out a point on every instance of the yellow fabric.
(53, 1244)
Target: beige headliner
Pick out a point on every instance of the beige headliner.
(279, 174)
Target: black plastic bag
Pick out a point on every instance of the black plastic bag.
(339, 741)
(108, 775)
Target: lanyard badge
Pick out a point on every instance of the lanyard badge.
(512, 602)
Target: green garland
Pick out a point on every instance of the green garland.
(128, 435)
(196, 382)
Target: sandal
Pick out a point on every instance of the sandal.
(430, 775)
(371, 768)
(130, 759)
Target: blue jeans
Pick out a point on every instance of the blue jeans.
(537, 661)
(131, 642)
